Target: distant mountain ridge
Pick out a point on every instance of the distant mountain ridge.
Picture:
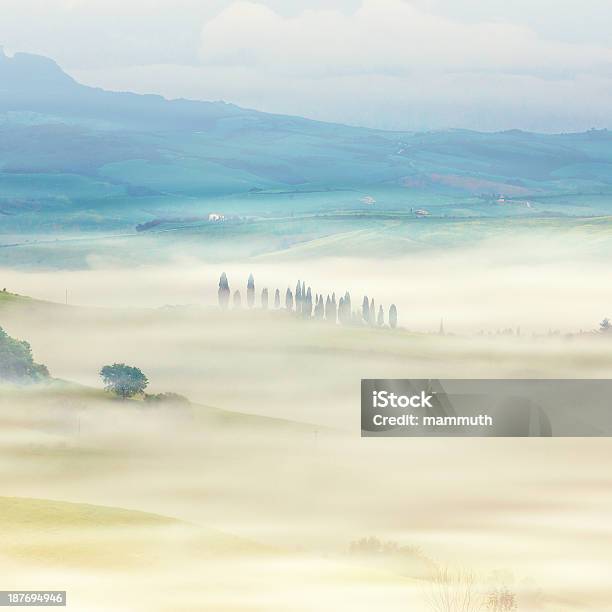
(40, 71)
(37, 84)
(78, 157)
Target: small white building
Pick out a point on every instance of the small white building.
(216, 217)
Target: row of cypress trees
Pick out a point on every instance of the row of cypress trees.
(304, 304)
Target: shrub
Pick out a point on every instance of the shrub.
(173, 399)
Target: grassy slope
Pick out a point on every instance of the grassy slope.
(69, 393)
(49, 532)
(143, 561)
(44, 515)
(7, 299)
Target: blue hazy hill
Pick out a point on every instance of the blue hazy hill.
(77, 157)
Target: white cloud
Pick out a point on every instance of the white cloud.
(497, 102)
(387, 37)
(411, 64)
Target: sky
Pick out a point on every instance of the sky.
(538, 65)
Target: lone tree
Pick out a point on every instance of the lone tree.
(277, 299)
(393, 316)
(123, 380)
(251, 291)
(605, 326)
(224, 292)
(264, 299)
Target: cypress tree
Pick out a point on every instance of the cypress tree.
(289, 299)
(372, 319)
(381, 317)
(393, 316)
(298, 298)
(344, 309)
(264, 299)
(365, 309)
(251, 291)
(277, 299)
(307, 305)
(237, 299)
(319, 308)
(348, 308)
(224, 292)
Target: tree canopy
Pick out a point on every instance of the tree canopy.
(123, 380)
(17, 363)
